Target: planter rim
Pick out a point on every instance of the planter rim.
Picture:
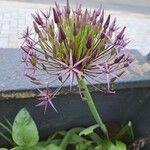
(32, 92)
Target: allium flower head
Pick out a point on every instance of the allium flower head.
(69, 44)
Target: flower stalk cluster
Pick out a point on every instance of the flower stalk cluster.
(72, 45)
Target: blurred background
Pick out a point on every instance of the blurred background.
(132, 5)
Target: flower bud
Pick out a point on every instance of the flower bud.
(56, 18)
(89, 42)
(98, 11)
(102, 17)
(58, 9)
(78, 10)
(85, 15)
(62, 35)
(107, 22)
(117, 60)
(126, 64)
(68, 8)
(120, 35)
(102, 35)
(112, 26)
(38, 19)
(74, 29)
(36, 27)
(42, 36)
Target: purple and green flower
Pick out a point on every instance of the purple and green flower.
(80, 46)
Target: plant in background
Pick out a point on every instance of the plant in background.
(79, 46)
(23, 135)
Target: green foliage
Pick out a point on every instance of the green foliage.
(88, 130)
(53, 147)
(28, 148)
(126, 130)
(24, 130)
(25, 135)
(108, 145)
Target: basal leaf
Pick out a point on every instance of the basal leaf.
(24, 130)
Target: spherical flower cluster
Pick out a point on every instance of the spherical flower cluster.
(70, 44)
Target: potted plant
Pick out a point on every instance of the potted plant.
(81, 47)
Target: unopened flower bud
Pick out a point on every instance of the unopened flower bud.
(102, 17)
(74, 29)
(89, 42)
(126, 64)
(68, 8)
(38, 19)
(58, 9)
(112, 26)
(117, 60)
(42, 36)
(56, 18)
(85, 15)
(120, 35)
(102, 35)
(36, 27)
(98, 11)
(107, 22)
(62, 35)
(78, 10)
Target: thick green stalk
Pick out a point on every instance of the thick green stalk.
(92, 106)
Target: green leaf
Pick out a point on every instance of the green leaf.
(109, 145)
(19, 148)
(125, 131)
(95, 138)
(53, 139)
(53, 147)
(3, 149)
(88, 130)
(84, 146)
(68, 136)
(28, 148)
(24, 131)
(120, 146)
(77, 139)
(99, 147)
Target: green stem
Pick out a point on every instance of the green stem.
(92, 106)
